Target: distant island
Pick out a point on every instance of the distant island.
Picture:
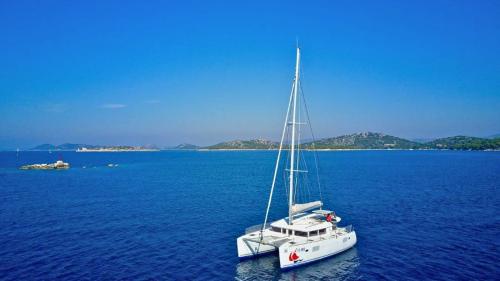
(92, 148)
(366, 140)
(465, 143)
(121, 148)
(185, 146)
(244, 144)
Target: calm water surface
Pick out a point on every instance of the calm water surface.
(176, 215)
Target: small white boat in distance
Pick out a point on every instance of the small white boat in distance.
(309, 233)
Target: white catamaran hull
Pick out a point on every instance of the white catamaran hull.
(292, 255)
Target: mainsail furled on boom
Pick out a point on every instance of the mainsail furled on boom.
(299, 208)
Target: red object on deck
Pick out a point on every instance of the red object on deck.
(329, 218)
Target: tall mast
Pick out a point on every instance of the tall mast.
(292, 145)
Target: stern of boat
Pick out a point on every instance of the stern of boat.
(293, 254)
(249, 246)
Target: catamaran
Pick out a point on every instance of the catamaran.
(310, 232)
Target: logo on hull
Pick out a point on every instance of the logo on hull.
(293, 256)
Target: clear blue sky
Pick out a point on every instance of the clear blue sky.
(146, 72)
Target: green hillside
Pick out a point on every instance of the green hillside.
(245, 144)
(186, 146)
(464, 143)
(366, 140)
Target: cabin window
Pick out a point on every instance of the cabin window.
(276, 229)
(322, 231)
(301, 233)
(290, 232)
(313, 233)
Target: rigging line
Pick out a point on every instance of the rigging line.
(313, 142)
(296, 180)
(300, 195)
(306, 179)
(306, 189)
(287, 162)
(285, 184)
(296, 185)
(277, 164)
(307, 192)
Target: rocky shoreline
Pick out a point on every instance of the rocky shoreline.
(59, 165)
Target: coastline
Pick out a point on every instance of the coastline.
(253, 149)
(117, 150)
(342, 149)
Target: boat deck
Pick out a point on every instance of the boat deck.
(270, 240)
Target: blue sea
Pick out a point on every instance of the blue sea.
(175, 215)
